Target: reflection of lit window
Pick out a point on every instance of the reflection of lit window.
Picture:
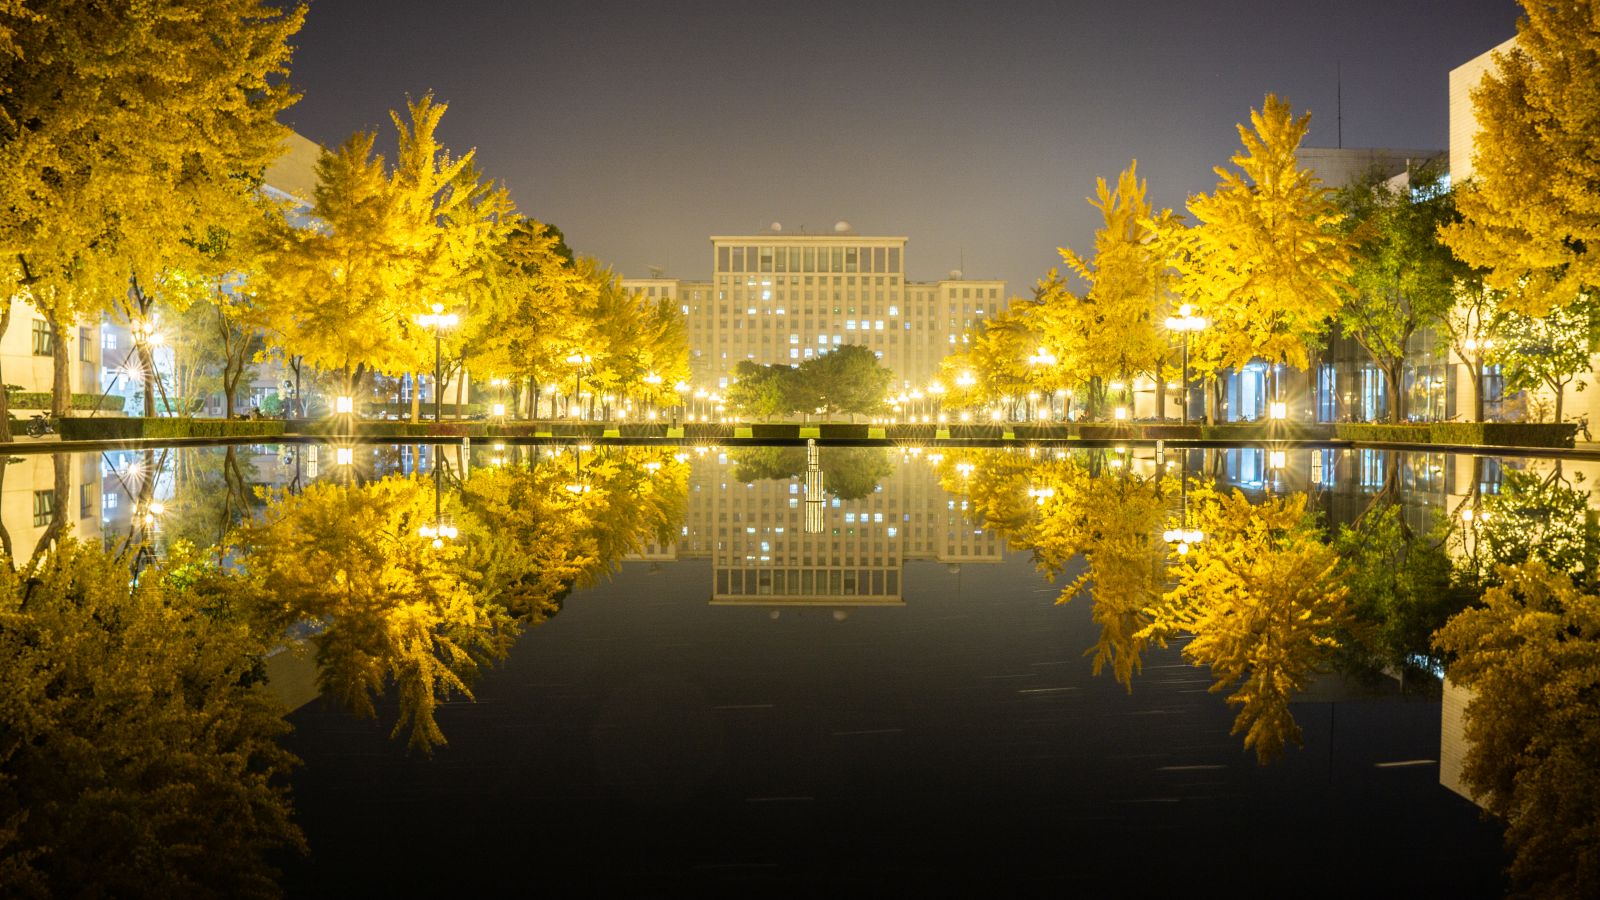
(44, 505)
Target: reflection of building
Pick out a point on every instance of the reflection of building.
(761, 555)
(781, 298)
(48, 496)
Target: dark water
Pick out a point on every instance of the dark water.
(725, 700)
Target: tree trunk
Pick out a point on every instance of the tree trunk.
(1561, 396)
(1210, 388)
(1161, 397)
(1475, 371)
(1393, 373)
(416, 397)
(461, 381)
(61, 372)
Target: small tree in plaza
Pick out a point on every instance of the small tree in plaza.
(847, 380)
(1546, 353)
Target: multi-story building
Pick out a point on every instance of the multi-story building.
(781, 298)
(763, 554)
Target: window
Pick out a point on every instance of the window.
(85, 346)
(44, 343)
(108, 340)
(44, 506)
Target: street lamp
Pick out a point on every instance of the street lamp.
(438, 320)
(1183, 538)
(578, 361)
(1185, 323)
(499, 408)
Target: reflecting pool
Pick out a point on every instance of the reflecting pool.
(432, 669)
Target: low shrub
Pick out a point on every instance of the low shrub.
(41, 400)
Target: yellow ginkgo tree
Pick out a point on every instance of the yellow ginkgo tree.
(1263, 261)
(1532, 208)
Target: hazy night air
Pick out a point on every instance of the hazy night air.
(640, 128)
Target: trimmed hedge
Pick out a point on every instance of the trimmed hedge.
(1241, 432)
(1484, 434)
(840, 430)
(123, 429)
(1385, 433)
(41, 400)
(375, 408)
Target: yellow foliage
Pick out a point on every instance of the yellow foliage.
(1260, 597)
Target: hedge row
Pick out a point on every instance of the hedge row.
(122, 429)
(41, 400)
(1488, 434)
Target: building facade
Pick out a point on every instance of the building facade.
(781, 299)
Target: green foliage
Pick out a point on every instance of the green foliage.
(761, 392)
(1503, 434)
(848, 473)
(40, 400)
(849, 379)
(137, 760)
(121, 429)
(1536, 517)
(1403, 279)
(1548, 352)
(1401, 591)
(1531, 656)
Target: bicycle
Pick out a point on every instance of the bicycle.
(39, 426)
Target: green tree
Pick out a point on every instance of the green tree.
(138, 757)
(847, 380)
(1531, 657)
(1260, 598)
(1402, 279)
(1533, 516)
(761, 392)
(1402, 589)
(1548, 352)
(1263, 262)
(1529, 213)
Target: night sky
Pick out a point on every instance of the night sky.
(976, 129)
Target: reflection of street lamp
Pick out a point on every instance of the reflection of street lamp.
(1185, 323)
(439, 530)
(1183, 538)
(437, 320)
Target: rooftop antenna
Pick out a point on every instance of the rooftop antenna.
(1338, 93)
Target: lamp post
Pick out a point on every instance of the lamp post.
(578, 361)
(682, 388)
(438, 320)
(499, 409)
(1185, 323)
(936, 393)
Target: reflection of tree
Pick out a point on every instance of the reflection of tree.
(211, 492)
(532, 533)
(1062, 508)
(1531, 655)
(1261, 599)
(1401, 591)
(392, 608)
(848, 473)
(1537, 517)
(136, 758)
